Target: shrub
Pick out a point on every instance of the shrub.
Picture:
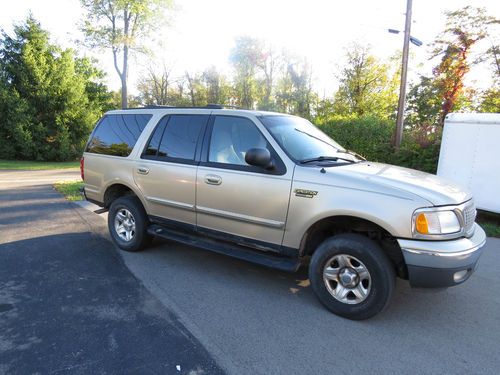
(372, 138)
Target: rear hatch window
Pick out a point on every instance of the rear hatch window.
(117, 134)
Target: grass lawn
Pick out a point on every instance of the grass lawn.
(490, 222)
(37, 165)
(70, 189)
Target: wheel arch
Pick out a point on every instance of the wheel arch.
(336, 224)
(118, 189)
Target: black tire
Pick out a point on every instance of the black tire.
(141, 238)
(381, 273)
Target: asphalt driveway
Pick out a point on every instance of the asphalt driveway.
(68, 304)
(254, 320)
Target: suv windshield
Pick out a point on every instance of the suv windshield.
(301, 140)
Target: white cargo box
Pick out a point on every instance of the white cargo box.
(470, 156)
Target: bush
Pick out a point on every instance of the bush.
(372, 138)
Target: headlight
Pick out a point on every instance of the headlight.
(435, 222)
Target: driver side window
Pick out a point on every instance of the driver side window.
(231, 138)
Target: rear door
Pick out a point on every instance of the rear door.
(166, 170)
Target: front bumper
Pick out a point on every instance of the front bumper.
(442, 263)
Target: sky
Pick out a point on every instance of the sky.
(202, 32)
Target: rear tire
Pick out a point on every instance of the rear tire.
(352, 276)
(128, 223)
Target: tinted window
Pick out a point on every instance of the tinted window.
(117, 134)
(231, 138)
(154, 142)
(176, 137)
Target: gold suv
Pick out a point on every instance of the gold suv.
(273, 189)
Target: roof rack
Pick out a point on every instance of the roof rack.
(208, 106)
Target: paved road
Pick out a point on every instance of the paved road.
(262, 321)
(68, 304)
(15, 179)
(254, 320)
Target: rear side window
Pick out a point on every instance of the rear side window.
(154, 142)
(176, 138)
(117, 134)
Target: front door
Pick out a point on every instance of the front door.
(234, 198)
(166, 172)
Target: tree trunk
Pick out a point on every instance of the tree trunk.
(124, 91)
(123, 78)
(124, 74)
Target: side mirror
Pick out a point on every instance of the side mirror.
(259, 157)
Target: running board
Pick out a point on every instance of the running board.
(236, 251)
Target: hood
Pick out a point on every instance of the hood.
(436, 190)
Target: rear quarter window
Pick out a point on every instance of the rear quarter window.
(117, 134)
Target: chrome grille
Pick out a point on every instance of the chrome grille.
(469, 215)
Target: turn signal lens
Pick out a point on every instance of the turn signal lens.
(421, 224)
(436, 222)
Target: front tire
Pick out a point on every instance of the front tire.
(352, 276)
(127, 224)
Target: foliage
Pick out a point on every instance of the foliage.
(493, 55)
(70, 189)
(263, 79)
(294, 93)
(49, 98)
(423, 104)
(367, 86)
(245, 57)
(464, 29)
(218, 88)
(490, 100)
(122, 26)
(371, 137)
(96, 90)
(153, 87)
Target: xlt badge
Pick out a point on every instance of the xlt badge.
(305, 193)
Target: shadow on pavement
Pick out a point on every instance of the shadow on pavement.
(68, 303)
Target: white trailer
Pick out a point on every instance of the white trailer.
(470, 156)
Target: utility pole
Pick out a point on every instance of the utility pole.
(404, 69)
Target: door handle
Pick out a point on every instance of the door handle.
(212, 179)
(143, 170)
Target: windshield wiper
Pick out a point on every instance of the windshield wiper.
(325, 158)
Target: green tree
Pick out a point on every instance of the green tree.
(367, 86)
(196, 90)
(95, 88)
(294, 93)
(219, 91)
(122, 26)
(423, 104)
(16, 140)
(490, 98)
(49, 102)
(245, 57)
(490, 101)
(154, 86)
(268, 64)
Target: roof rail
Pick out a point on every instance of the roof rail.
(208, 106)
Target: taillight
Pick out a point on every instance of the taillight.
(82, 163)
